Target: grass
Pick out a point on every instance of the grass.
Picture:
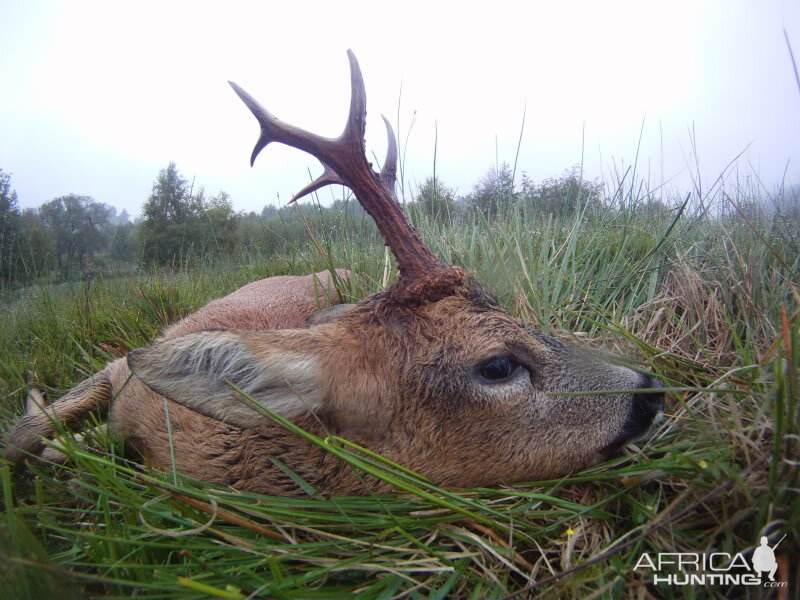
(708, 303)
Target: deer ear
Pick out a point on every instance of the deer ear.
(192, 370)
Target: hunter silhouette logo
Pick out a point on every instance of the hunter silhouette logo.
(716, 568)
(764, 558)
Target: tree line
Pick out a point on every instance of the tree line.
(74, 235)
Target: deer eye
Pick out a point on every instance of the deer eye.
(498, 369)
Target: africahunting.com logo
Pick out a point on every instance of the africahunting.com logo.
(716, 568)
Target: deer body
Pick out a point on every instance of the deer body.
(208, 448)
(432, 373)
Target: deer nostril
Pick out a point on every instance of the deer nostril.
(648, 406)
(650, 399)
(646, 409)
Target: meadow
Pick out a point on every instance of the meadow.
(700, 290)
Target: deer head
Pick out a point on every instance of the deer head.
(432, 373)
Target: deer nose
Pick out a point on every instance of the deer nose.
(648, 406)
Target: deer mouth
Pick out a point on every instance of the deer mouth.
(646, 410)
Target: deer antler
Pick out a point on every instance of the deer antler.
(422, 276)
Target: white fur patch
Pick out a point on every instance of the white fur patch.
(192, 370)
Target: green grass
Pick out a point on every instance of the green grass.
(710, 305)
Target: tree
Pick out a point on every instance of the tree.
(494, 191)
(436, 200)
(166, 213)
(563, 195)
(35, 254)
(118, 218)
(9, 227)
(178, 223)
(268, 212)
(221, 221)
(122, 246)
(79, 227)
(169, 200)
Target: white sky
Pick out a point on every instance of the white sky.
(96, 98)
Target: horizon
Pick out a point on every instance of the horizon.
(681, 99)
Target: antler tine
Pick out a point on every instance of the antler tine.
(422, 276)
(389, 171)
(275, 130)
(357, 118)
(352, 137)
(328, 151)
(328, 177)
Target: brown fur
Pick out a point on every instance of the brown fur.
(272, 303)
(70, 411)
(399, 380)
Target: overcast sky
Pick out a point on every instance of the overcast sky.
(96, 98)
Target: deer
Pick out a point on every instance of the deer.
(431, 373)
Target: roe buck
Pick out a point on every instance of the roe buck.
(432, 373)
